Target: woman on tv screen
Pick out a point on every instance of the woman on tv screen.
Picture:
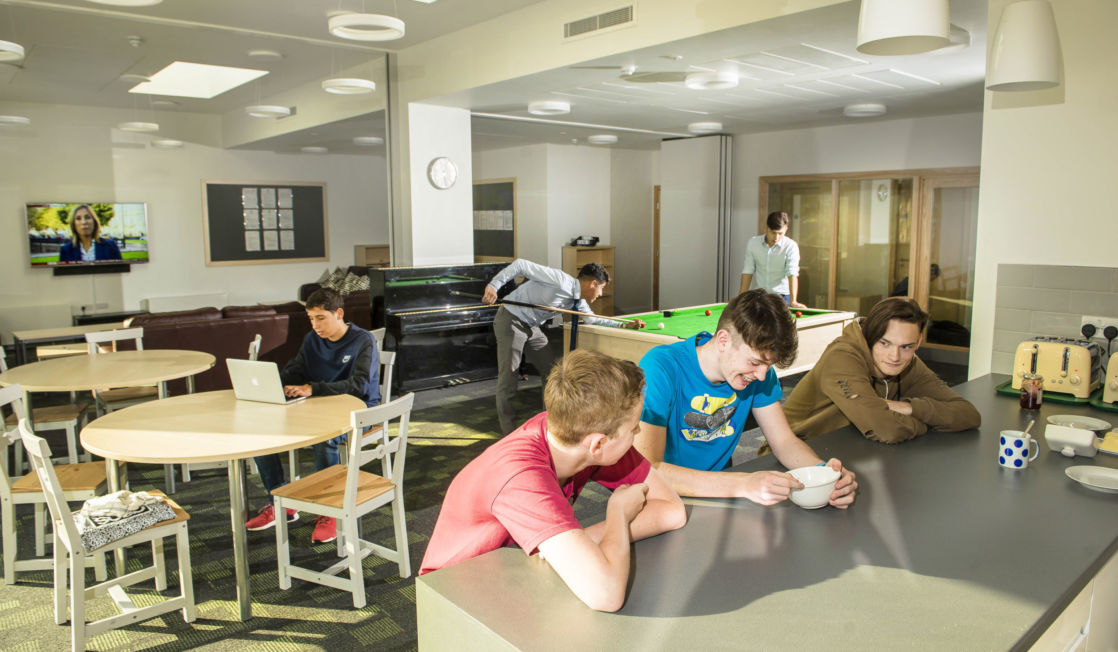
(86, 243)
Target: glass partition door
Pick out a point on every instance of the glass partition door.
(810, 206)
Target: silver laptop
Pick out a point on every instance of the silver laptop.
(257, 380)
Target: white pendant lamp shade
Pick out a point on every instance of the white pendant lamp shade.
(268, 111)
(602, 139)
(142, 127)
(1025, 55)
(711, 81)
(549, 107)
(896, 27)
(14, 121)
(10, 52)
(704, 127)
(366, 27)
(348, 85)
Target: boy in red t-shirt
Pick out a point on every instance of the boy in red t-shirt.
(520, 490)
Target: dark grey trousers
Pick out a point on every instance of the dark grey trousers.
(515, 340)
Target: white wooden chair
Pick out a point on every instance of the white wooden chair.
(70, 556)
(54, 417)
(76, 482)
(347, 493)
(108, 400)
(114, 399)
(378, 336)
(387, 361)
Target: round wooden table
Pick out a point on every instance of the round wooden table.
(107, 370)
(215, 426)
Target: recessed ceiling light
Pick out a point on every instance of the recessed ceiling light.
(368, 141)
(602, 139)
(427, 2)
(348, 85)
(863, 110)
(199, 80)
(10, 51)
(711, 81)
(14, 120)
(549, 107)
(138, 126)
(134, 78)
(265, 55)
(164, 103)
(126, 3)
(314, 149)
(167, 143)
(366, 27)
(704, 127)
(268, 111)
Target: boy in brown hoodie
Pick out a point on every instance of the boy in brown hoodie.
(870, 377)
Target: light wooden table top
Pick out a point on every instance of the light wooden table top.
(215, 426)
(39, 334)
(107, 370)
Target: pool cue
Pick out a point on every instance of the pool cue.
(539, 307)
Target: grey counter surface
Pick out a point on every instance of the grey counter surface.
(942, 549)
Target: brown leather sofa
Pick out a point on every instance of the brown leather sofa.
(224, 333)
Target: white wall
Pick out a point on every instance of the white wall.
(578, 196)
(936, 142)
(633, 173)
(442, 221)
(528, 165)
(1048, 160)
(67, 154)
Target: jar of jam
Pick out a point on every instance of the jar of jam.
(1032, 391)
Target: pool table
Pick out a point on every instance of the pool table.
(816, 329)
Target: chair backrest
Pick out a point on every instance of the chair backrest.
(378, 336)
(387, 361)
(102, 337)
(39, 453)
(11, 397)
(254, 347)
(390, 450)
(3, 360)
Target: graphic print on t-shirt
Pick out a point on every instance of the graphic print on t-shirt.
(709, 417)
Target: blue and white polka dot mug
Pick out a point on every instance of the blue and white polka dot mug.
(1014, 447)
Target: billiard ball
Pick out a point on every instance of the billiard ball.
(707, 313)
(799, 314)
(667, 313)
(660, 326)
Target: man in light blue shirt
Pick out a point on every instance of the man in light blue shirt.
(518, 327)
(772, 261)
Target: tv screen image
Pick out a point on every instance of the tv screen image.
(72, 234)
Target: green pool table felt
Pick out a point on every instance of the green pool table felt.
(687, 322)
(428, 280)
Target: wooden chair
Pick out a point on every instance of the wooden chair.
(114, 399)
(387, 361)
(347, 493)
(70, 556)
(378, 336)
(76, 482)
(108, 400)
(55, 417)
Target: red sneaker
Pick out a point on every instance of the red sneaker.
(266, 518)
(325, 530)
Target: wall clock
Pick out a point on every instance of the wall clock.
(442, 173)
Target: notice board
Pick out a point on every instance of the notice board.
(495, 221)
(251, 222)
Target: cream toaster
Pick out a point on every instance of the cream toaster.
(1110, 385)
(1068, 366)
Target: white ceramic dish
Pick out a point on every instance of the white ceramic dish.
(1076, 421)
(1098, 478)
(818, 481)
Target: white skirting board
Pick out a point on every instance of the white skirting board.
(185, 302)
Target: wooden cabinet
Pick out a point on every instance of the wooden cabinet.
(575, 257)
(372, 255)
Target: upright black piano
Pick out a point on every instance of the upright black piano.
(436, 323)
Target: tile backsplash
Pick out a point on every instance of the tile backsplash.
(1048, 300)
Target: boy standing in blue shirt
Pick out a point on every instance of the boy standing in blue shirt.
(700, 392)
(336, 358)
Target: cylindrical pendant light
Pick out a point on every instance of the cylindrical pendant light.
(1025, 55)
(896, 27)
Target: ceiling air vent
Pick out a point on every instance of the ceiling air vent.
(614, 18)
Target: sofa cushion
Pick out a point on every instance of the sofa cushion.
(173, 317)
(247, 311)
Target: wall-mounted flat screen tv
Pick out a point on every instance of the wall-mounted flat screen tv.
(76, 234)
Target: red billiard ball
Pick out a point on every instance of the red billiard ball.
(707, 313)
(799, 314)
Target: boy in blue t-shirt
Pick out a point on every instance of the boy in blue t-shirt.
(336, 358)
(700, 392)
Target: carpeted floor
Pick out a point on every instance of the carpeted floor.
(443, 439)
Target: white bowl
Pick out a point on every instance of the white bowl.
(818, 481)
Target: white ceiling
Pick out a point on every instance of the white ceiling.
(796, 71)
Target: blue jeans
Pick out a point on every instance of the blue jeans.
(271, 466)
(787, 299)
